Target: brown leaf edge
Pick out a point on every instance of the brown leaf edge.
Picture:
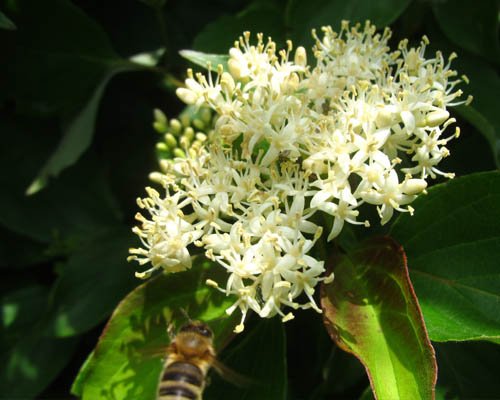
(396, 248)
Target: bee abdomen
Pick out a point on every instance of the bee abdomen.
(181, 381)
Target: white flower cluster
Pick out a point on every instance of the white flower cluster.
(292, 142)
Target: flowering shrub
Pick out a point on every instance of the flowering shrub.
(312, 176)
(292, 141)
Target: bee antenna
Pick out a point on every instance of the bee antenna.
(185, 314)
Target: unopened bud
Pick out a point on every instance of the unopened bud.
(170, 140)
(436, 118)
(176, 126)
(301, 56)
(227, 82)
(186, 95)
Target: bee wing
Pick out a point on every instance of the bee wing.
(230, 375)
(154, 352)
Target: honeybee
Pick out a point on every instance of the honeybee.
(189, 357)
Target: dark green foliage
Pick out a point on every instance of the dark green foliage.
(77, 147)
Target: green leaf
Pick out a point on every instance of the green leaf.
(29, 360)
(92, 282)
(51, 72)
(484, 85)
(17, 251)
(77, 386)
(77, 136)
(32, 363)
(260, 356)
(201, 59)
(482, 113)
(6, 23)
(472, 28)
(467, 370)
(119, 367)
(304, 16)
(75, 207)
(452, 243)
(264, 17)
(371, 311)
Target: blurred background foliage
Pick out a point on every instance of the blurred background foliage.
(78, 83)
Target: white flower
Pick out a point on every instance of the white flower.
(290, 143)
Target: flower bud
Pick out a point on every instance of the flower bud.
(301, 56)
(414, 186)
(176, 126)
(436, 118)
(227, 82)
(186, 95)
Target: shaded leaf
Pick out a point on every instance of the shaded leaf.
(259, 17)
(371, 311)
(260, 356)
(484, 84)
(19, 307)
(92, 282)
(76, 207)
(201, 59)
(452, 243)
(119, 368)
(478, 32)
(17, 251)
(29, 360)
(32, 363)
(61, 73)
(77, 136)
(304, 16)
(467, 370)
(6, 23)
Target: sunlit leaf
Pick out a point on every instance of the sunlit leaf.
(452, 243)
(119, 368)
(201, 59)
(372, 312)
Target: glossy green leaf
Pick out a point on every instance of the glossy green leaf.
(6, 23)
(467, 371)
(120, 368)
(452, 243)
(92, 282)
(201, 59)
(260, 356)
(371, 311)
(61, 73)
(304, 16)
(478, 32)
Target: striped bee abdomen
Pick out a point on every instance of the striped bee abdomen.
(181, 381)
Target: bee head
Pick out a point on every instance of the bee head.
(199, 327)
